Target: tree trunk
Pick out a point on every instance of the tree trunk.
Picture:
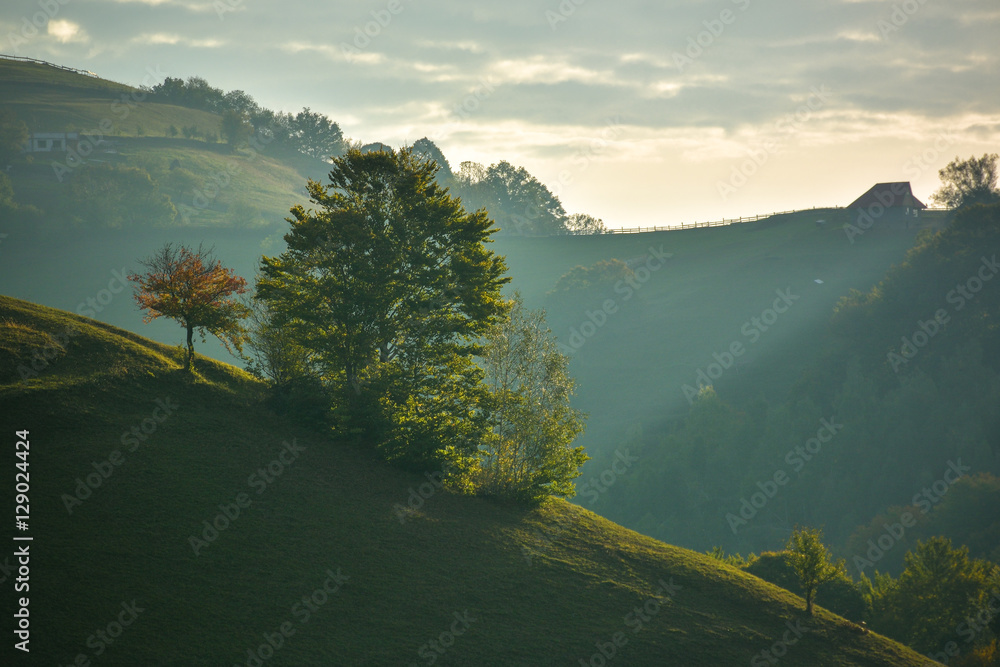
(809, 603)
(189, 359)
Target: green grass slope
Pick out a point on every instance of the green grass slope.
(213, 186)
(455, 581)
(49, 99)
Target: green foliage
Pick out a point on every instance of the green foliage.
(900, 429)
(938, 590)
(969, 182)
(430, 151)
(839, 594)
(528, 453)
(965, 514)
(332, 508)
(736, 560)
(581, 223)
(236, 128)
(195, 290)
(13, 135)
(602, 275)
(117, 197)
(519, 202)
(388, 283)
(811, 562)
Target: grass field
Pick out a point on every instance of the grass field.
(49, 99)
(488, 583)
(213, 186)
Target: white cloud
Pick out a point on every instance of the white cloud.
(67, 32)
(173, 39)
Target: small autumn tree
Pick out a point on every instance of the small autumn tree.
(812, 562)
(193, 288)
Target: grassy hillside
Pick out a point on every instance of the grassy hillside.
(50, 99)
(210, 184)
(541, 587)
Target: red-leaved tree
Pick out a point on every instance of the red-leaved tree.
(193, 288)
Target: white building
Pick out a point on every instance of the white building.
(48, 142)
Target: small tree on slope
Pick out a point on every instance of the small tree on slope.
(193, 288)
(811, 561)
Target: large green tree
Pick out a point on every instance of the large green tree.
(389, 283)
(940, 588)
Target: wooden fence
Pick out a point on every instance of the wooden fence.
(718, 223)
(24, 59)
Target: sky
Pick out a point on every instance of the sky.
(638, 112)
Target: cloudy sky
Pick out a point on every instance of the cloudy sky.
(636, 111)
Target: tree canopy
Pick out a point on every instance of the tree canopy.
(812, 562)
(388, 282)
(968, 182)
(528, 453)
(193, 288)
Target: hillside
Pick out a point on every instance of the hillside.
(210, 184)
(632, 370)
(548, 586)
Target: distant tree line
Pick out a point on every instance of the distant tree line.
(307, 131)
(520, 203)
(944, 603)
